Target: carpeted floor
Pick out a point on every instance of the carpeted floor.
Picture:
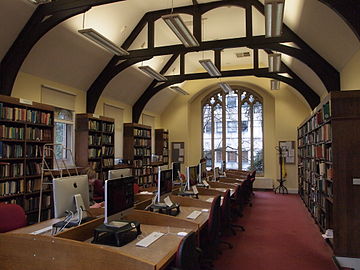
(280, 234)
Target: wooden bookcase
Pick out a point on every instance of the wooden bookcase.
(137, 147)
(328, 163)
(162, 145)
(95, 143)
(25, 127)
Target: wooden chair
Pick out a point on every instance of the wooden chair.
(12, 217)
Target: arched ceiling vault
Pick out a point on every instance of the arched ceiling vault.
(47, 16)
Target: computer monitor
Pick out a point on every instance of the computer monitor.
(119, 196)
(191, 176)
(176, 171)
(164, 183)
(119, 173)
(216, 173)
(64, 190)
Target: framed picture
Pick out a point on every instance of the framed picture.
(288, 151)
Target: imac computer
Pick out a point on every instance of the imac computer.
(164, 183)
(119, 173)
(119, 196)
(71, 194)
(216, 173)
(176, 171)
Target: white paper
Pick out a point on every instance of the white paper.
(176, 146)
(194, 188)
(181, 159)
(25, 101)
(168, 201)
(181, 152)
(206, 184)
(210, 200)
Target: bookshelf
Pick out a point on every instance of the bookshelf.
(328, 163)
(162, 145)
(25, 127)
(95, 146)
(137, 147)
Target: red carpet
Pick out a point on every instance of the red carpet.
(280, 234)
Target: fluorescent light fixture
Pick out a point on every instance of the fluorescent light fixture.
(210, 67)
(102, 41)
(225, 87)
(39, 2)
(274, 62)
(178, 26)
(152, 73)
(179, 90)
(274, 14)
(275, 85)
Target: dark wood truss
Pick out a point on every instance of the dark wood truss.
(49, 15)
(44, 18)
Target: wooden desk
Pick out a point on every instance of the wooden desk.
(231, 180)
(71, 250)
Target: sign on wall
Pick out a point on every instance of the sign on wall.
(178, 152)
(288, 151)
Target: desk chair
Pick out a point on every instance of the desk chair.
(213, 229)
(98, 192)
(12, 217)
(187, 255)
(226, 217)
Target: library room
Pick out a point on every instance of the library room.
(180, 134)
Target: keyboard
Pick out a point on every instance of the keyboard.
(43, 230)
(194, 214)
(148, 240)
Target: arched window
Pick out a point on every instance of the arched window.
(233, 130)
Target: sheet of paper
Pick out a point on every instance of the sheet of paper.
(168, 201)
(181, 152)
(176, 146)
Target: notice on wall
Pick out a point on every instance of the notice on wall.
(178, 152)
(288, 151)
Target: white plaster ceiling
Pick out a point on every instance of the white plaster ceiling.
(64, 56)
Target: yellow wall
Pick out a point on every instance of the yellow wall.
(350, 74)
(282, 115)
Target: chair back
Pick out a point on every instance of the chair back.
(187, 256)
(12, 217)
(136, 188)
(214, 220)
(226, 211)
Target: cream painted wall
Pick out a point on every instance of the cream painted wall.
(282, 115)
(350, 74)
(29, 87)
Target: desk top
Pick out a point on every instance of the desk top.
(159, 253)
(201, 220)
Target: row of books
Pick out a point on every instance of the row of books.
(322, 151)
(22, 114)
(318, 119)
(16, 133)
(11, 170)
(34, 150)
(32, 203)
(164, 159)
(108, 127)
(94, 140)
(148, 179)
(12, 187)
(142, 142)
(107, 139)
(142, 151)
(108, 162)
(94, 125)
(326, 171)
(38, 117)
(33, 168)
(144, 170)
(108, 150)
(142, 132)
(38, 134)
(94, 153)
(11, 150)
(141, 162)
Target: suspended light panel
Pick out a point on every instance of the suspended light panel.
(210, 67)
(152, 73)
(274, 15)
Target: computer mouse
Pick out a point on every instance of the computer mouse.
(182, 233)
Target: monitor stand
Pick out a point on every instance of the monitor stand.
(116, 236)
(163, 208)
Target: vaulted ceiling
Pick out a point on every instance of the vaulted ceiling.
(320, 37)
